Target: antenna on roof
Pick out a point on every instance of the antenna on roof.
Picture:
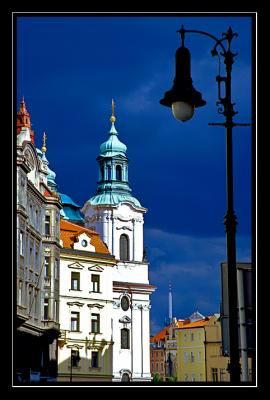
(170, 302)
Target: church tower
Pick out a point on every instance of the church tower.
(119, 217)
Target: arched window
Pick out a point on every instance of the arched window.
(124, 247)
(125, 377)
(109, 172)
(124, 338)
(118, 171)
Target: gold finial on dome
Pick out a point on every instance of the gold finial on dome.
(44, 148)
(113, 119)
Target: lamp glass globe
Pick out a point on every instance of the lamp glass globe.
(182, 111)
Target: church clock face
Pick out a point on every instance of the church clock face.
(125, 303)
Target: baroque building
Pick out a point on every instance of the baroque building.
(86, 306)
(119, 217)
(38, 255)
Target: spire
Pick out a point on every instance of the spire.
(170, 302)
(51, 174)
(112, 118)
(23, 120)
(44, 148)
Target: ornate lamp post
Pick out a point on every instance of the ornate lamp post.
(183, 99)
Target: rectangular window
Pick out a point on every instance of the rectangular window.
(185, 357)
(46, 309)
(37, 260)
(30, 299)
(75, 358)
(95, 320)
(36, 302)
(47, 270)
(95, 283)
(161, 367)
(192, 358)
(21, 244)
(75, 281)
(125, 338)
(199, 356)
(214, 374)
(193, 377)
(31, 255)
(192, 337)
(56, 268)
(75, 321)
(47, 225)
(94, 360)
(222, 374)
(55, 310)
(19, 301)
(186, 377)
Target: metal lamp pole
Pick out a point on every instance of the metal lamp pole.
(186, 93)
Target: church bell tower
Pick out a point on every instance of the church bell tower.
(119, 217)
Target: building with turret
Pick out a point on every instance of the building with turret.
(119, 217)
(38, 256)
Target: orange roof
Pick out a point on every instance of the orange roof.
(196, 324)
(161, 335)
(69, 232)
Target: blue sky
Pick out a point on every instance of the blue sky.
(70, 67)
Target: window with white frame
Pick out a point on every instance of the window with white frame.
(20, 285)
(124, 247)
(75, 281)
(46, 309)
(75, 321)
(47, 225)
(21, 244)
(47, 270)
(124, 338)
(95, 279)
(95, 323)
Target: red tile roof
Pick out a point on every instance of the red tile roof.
(70, 231)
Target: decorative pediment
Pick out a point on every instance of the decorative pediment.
(76, 265)
(74, 346)
(124, 228)
(75, 303)
(96, 268)
(95, 305)
(125, 320)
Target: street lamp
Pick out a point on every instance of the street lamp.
(183, 99)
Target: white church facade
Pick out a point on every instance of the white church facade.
(118, 217)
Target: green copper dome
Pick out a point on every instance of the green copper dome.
(113, 198)
(113, 146)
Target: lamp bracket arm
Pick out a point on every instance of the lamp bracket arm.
(218, 41)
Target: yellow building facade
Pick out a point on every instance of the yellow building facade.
(199, 351)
